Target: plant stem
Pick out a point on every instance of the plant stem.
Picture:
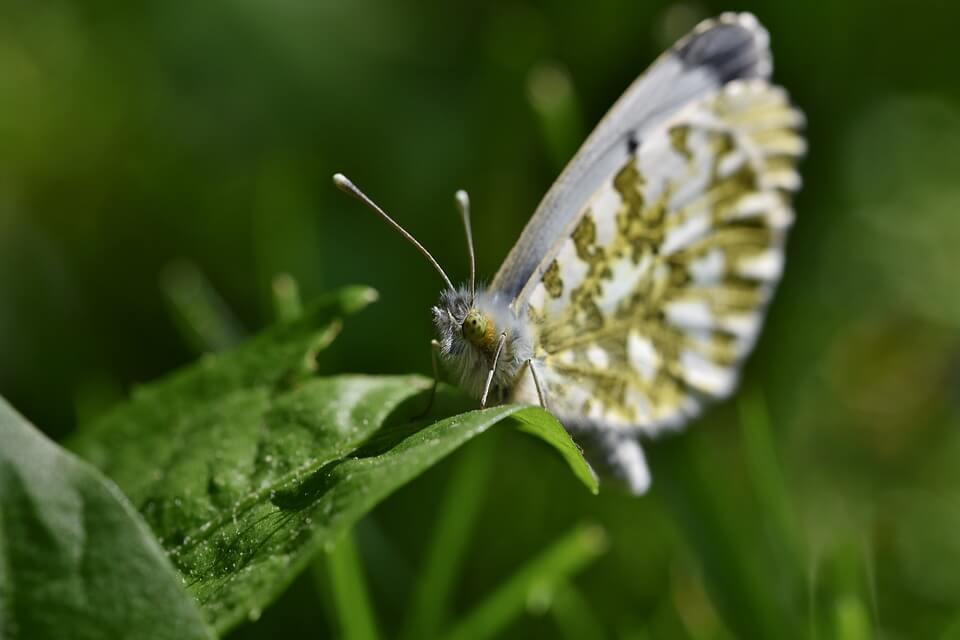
(349, 590)
(202, 316)
(451, 536)
(575, 618)
(734, 566)
(768, 482)
(538, 577)
(286, 298)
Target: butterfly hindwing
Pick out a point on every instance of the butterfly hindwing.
(657, 289)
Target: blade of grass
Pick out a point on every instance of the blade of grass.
(565, 557)
(554, 102)
(286, 298)
(464, 496)
(735, 570)
(389, 570)
(348, 589)
(575, 618)
(692, 605)
(870, 578)
(850, 587)
(852, 621)
(202, 316)
(769, 485)
(952, 630)
(813, 585)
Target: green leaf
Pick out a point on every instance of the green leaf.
(543, 425)
(244, 465)
(75, 558)
(273, 360)
(273, 479)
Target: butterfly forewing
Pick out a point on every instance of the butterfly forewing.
(656, 290)
(732, 46)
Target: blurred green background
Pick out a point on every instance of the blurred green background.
(824, 501)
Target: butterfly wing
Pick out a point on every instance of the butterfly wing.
(653, 292)
(732, 46)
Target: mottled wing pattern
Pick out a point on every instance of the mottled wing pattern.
(733, 46)
(657, 291)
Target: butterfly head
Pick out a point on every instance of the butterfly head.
(471, 322)
(477, 328)
(471, 328)
(459, 323)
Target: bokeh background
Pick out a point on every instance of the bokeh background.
(142, 144)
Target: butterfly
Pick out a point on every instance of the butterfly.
(639, 286)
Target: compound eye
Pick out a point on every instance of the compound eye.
(474, 327)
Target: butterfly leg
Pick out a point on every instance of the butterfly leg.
(539, 385)
(434, 348)
(493, 369)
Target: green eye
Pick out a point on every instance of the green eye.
(474, 327)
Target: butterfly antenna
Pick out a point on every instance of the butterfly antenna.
(463, 204)
(343, 183)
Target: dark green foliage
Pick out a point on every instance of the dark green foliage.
(76, 560)
(134, 135)
(245, 465)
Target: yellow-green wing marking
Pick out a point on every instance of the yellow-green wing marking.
(657, 292)
(732, 46)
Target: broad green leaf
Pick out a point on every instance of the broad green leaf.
(260, 481)
(245, 465)
(271, 361)
(545, 426)
(76, 560)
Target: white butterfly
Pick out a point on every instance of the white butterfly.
(640, 283)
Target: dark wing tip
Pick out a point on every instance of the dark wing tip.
(731, 46)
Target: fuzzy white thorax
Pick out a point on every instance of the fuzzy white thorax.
(471, 363)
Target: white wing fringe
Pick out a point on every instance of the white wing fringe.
(625, 457)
